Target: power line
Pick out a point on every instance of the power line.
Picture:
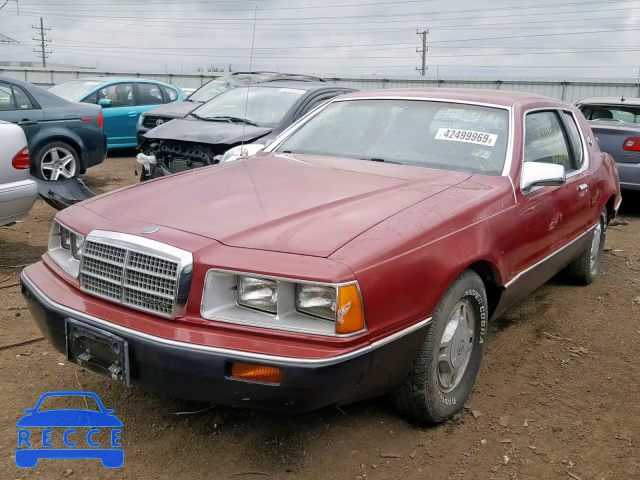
(42, 51)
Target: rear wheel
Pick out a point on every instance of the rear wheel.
(446, 366)
(584, 269)
(56, 161)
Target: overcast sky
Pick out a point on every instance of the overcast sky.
(595, 38)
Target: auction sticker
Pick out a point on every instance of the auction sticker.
(467, 136)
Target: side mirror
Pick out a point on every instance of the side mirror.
(105, 102)
(536, 174)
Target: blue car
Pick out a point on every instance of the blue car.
(32, 447)
(122, 101)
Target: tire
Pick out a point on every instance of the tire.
(429, 393)
(583, 270)
(56, 161)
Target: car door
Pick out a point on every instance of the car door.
(148, 96)
(16, 106)
(551, 220)
(121, 116)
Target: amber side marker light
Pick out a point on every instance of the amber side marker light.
(350, 316)
(256, 373)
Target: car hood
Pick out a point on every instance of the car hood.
(215, 133)
(173, 110)
(286, 203)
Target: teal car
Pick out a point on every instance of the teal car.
(122, 101)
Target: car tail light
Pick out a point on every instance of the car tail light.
(632, 144)
(100, 120)
(21, 160)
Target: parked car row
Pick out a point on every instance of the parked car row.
(361, 252)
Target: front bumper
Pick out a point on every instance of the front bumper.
(200, 372)
(629, 174)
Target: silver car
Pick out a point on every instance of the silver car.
(18, 191)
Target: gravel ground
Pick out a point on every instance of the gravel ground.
(557, 396)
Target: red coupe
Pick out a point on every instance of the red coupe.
(363, 252)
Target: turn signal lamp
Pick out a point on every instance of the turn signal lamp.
(256, 373)
(349, 313)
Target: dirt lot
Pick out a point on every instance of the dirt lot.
(558, 393)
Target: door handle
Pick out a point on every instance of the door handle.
(582, 187)
(133, 114)
(26, 121)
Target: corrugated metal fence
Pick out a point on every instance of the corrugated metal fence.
(567, 89)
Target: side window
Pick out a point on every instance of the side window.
(21, 99)
(316, 103)
(149, 94)
(545, 140)
(170, 95)
(121, 94)
(93, 98)
(576, 141)
(6, 98)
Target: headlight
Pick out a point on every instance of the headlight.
(241, 151)
(282, 303)
(65, 248)
(258, 293)
(140, 120)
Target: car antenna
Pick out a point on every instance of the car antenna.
(246, 103)
(622, 99)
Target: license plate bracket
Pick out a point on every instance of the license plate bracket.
(98, 350)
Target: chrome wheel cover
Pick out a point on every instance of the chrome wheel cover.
(58, 163)
(456, 346)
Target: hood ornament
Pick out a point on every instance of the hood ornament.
(150, 229)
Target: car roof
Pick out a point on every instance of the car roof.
(294, 84)
(118, 80)
(505, 98)
(610, 101)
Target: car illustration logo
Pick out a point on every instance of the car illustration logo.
(84, 433)
(150, 229)
(159, 121)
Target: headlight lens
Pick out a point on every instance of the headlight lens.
(317, 300)
(258, 293)
(241, 151)
(65, 248)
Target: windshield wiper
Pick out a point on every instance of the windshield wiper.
(382, 160)
(232, 120)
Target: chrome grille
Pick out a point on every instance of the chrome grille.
(139, 279)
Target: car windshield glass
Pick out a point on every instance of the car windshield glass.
(66, 402)
(266, 105)
(612, 113)
(447, 136)
(74, 89)
(212, 89)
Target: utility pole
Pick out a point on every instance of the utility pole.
(423, 52)
(42, 51)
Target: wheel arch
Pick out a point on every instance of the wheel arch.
(611, 208)
(490, 276)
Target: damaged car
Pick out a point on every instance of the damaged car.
(237, 123)
(363, 252)
(157, 116)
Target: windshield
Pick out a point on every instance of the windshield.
(447, 136)
(75, 89)
(267, 105)
(612, 113)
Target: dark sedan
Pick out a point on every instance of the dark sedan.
(222, 129)
(206, 92)
(65, 138)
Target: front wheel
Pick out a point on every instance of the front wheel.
(584, 269)
(447, 364)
